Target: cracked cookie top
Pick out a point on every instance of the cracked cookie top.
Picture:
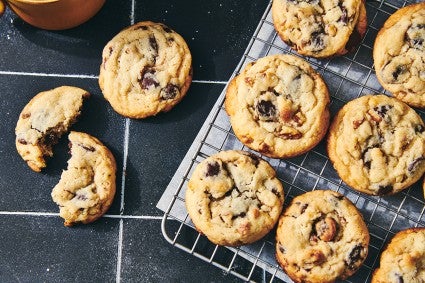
(403, 260)
(321, 237)
(399, 54)
(146, 69)
(234, 198)
(44, 119)
(320, 28)
(377, 145)
(87, 188)
(278, 106)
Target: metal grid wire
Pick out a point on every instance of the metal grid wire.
(347, 77)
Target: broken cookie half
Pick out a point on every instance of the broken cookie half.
(87, 187)
(44, 119)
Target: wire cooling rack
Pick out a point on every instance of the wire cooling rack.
(347, 77)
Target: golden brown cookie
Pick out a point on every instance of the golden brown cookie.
(87, 188)
(377, 145)
(146, 69)
(234, 198)
(403, 260)
(44, 119)
(321, 237)
(278, 106)
(320, 28)
(399, 54)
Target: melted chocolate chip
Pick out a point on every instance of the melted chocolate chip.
(22, 141)
(382, 110)
(212, 169)
(399, 278)
(266, 109)
(170, 91)
(167, 29)
(344, 16)
(81, 197)
(87, 147)
(317, 39)
(240, 215)
(148, 78)
(255, 159)
(419, 128)
(412, 166)
(398, 71)
(354, 256)
(274, 191)
(295, 136)
(153, 43)
(272, 90)
(383, 190)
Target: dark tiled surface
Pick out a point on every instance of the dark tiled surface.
(126, 244)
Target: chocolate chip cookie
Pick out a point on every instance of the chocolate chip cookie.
(234, 198)
(86, 189)
(146, 69)
(320, 28)
(278, 106)
(403, 260)
(377, 145)
(399, 54)
(321, 237)
(44, 119)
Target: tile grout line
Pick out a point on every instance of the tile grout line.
(123, 179)
(113, 216)
(77, 76)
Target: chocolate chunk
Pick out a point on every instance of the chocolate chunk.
(317, 40)
(344, 16)
(166, 29)
(22, 141)
(398, 71)
(212, 169)
(272, 90)
(81, 197)
(170, 91)
(255, 159)
(148, 78)
(240, 215)
(303, 207)
(87, 147)
(274, 191)
(382, 109)
(419, 128)
(25, 115)
(412, 166)
(354, 256)
(399, 278)
(153, 43)
(383, 190)
(266, 109)
(281, 249)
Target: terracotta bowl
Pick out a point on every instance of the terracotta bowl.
(55, 14)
